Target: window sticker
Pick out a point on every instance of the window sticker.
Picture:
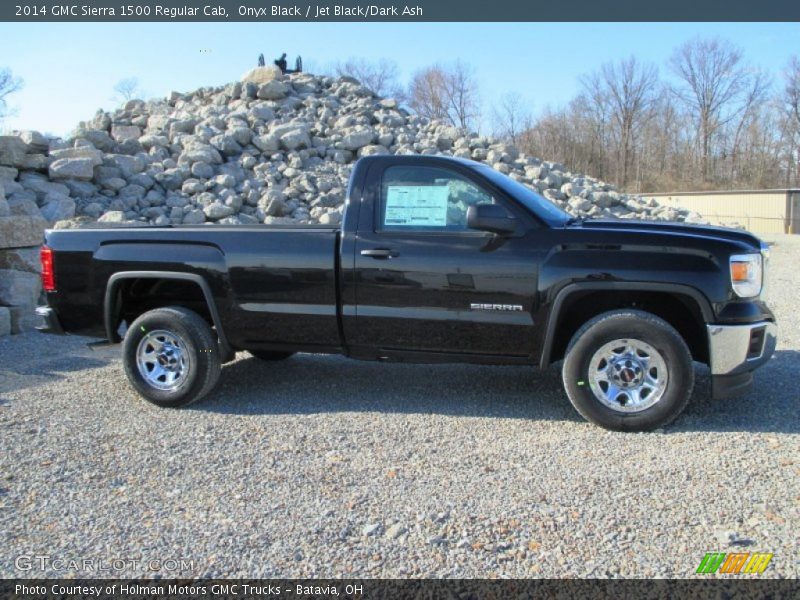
(416, 206)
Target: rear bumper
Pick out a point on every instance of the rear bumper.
(50, 322)
(735, 351)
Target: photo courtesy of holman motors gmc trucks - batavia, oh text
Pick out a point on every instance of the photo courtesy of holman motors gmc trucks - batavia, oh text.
(437, 260)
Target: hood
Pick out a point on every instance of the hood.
(709, 231)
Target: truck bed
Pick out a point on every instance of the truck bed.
(256, 275)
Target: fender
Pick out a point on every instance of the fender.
(110, 305)
(676, 288)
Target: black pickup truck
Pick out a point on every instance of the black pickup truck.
(437, 260)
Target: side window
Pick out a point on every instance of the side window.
(427, 199)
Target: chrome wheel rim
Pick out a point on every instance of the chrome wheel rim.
(163, 360)
(628, 375)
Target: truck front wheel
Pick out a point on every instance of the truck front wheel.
(171, 356)
(628, 370)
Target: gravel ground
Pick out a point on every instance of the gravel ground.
(324, 467)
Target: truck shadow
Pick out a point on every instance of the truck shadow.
(773, 405)
(308, 384)
(34, 369)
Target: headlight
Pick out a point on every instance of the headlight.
(746, 274)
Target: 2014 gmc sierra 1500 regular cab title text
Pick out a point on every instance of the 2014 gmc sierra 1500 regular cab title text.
(437, 260)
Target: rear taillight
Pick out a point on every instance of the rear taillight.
(48, 275)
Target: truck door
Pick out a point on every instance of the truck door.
(425, 282)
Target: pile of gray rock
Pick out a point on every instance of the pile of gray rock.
(267, 149)
(20, 238)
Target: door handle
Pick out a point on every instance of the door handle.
(379, 253)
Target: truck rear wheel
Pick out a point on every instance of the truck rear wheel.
(171, 356)
(628, 370)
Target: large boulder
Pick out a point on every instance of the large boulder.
(261, 75)
(372, 150)
(217, 210)
(41, 186)
(128, 165)
(172, 179)
(273, 90)
(267, 143)
(159, 123)
(59, 208)
(19, 231)
(113, 216)
(202, 170)
(123, 133)
(295, 138)
(37, 143)
(194, 217)
(35, 162)
(446, 137)
(22, 205)
(200, 153)
(72, 168)
(12, 150)
(262, 112)
(99, 139)
(8, 173)
(88, 152)
(357, 138)
(19, 288)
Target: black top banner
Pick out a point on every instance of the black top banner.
(412, 11)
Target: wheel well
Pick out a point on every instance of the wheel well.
(136, 295)
(679, 310)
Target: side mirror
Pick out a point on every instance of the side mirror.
(491, 217)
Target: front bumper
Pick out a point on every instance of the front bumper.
(50, 322)
(735, 351)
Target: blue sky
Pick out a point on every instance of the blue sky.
(70, 69)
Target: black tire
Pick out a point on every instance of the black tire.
(270, 355)
(195, 338)
(637, 326)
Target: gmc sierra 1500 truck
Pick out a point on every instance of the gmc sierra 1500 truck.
(437, 260)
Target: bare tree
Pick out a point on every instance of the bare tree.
(127, 89)
(447, 92)
(8, 85)
(662, 157)
(625, 93)
(426, 94)
(462, 93)
(511, 117)
(721, 127)
(792, 90)
(791, 102)
(381, 77)
(713, 81)
(572, 135)
(754, 95)
(591, 115)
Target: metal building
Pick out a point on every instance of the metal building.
(759, 211)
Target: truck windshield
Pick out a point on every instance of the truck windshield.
(541, 207)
